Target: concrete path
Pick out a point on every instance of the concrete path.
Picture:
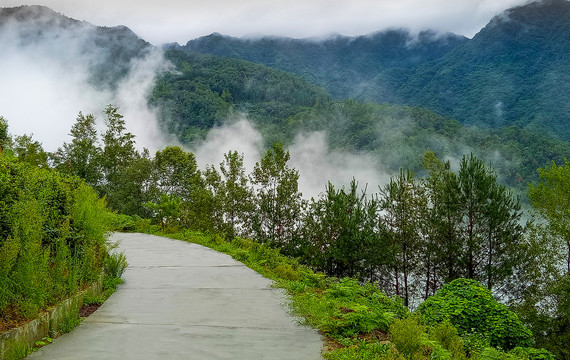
(185, 301)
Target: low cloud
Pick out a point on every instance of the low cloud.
(52, 68)
(310, 155)
(317, 165)
(237, 135)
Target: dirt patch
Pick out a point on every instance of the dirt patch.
(9, 320)
(87, 310)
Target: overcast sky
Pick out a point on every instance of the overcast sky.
(162, 21)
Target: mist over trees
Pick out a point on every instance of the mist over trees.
(409, 237)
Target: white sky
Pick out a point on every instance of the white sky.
(162, 21)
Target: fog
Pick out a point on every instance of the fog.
(182, 20)
(310, 155)
(52, 71)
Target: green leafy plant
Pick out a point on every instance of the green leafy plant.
(408, 336)
(471, 308)
(532, 354)
(115, 265)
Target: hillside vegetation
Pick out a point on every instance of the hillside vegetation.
(513, 72)
(438, 260)
(52, 238)
(207, 91)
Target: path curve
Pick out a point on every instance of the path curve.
(185, 301)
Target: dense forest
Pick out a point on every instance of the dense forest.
(513, 72)
(207, 90)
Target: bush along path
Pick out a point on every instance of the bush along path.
(185, 301)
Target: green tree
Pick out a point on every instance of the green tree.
(5, 139)
(82, 156)
(136, 186)
(175, 172)
(490, 226)
(237, 194)
(214, 192)
(443, 247)
(118, 154)
(340, 233)
(278, 200)
(402, 203)
(551, 198)
(166, 210)
(558, 336)
(31, 151)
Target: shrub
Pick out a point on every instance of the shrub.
(447, 336)
(115, 265)
(471, 308)
(407, 336)
(52, 237)
(532, 354)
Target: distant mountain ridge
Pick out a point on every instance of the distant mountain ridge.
(341, 64)
(108, 50)
(448, 73)
(516, 70)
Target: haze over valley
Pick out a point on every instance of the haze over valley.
(294, 90)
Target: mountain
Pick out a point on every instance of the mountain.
(514, 71)
(43, 33)
(206, 90)
(343, 65)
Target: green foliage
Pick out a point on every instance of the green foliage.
(339, 233)
(5, 139)
(207, 90)
(407, 335)
(115, 265)
(69, 322)
(550, 197)
(52, 237)
(362, 350)
(447, 336)
(531, 353)
(494, 354)
(471, 308)
(278, 205)
(167, 211)
(281, 106)
(28, 150)
(403, 205)
(81, 157)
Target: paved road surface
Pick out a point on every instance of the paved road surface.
(184, 301)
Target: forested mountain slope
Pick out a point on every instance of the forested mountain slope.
(343, 65)
(206, 91)
(514, 71)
